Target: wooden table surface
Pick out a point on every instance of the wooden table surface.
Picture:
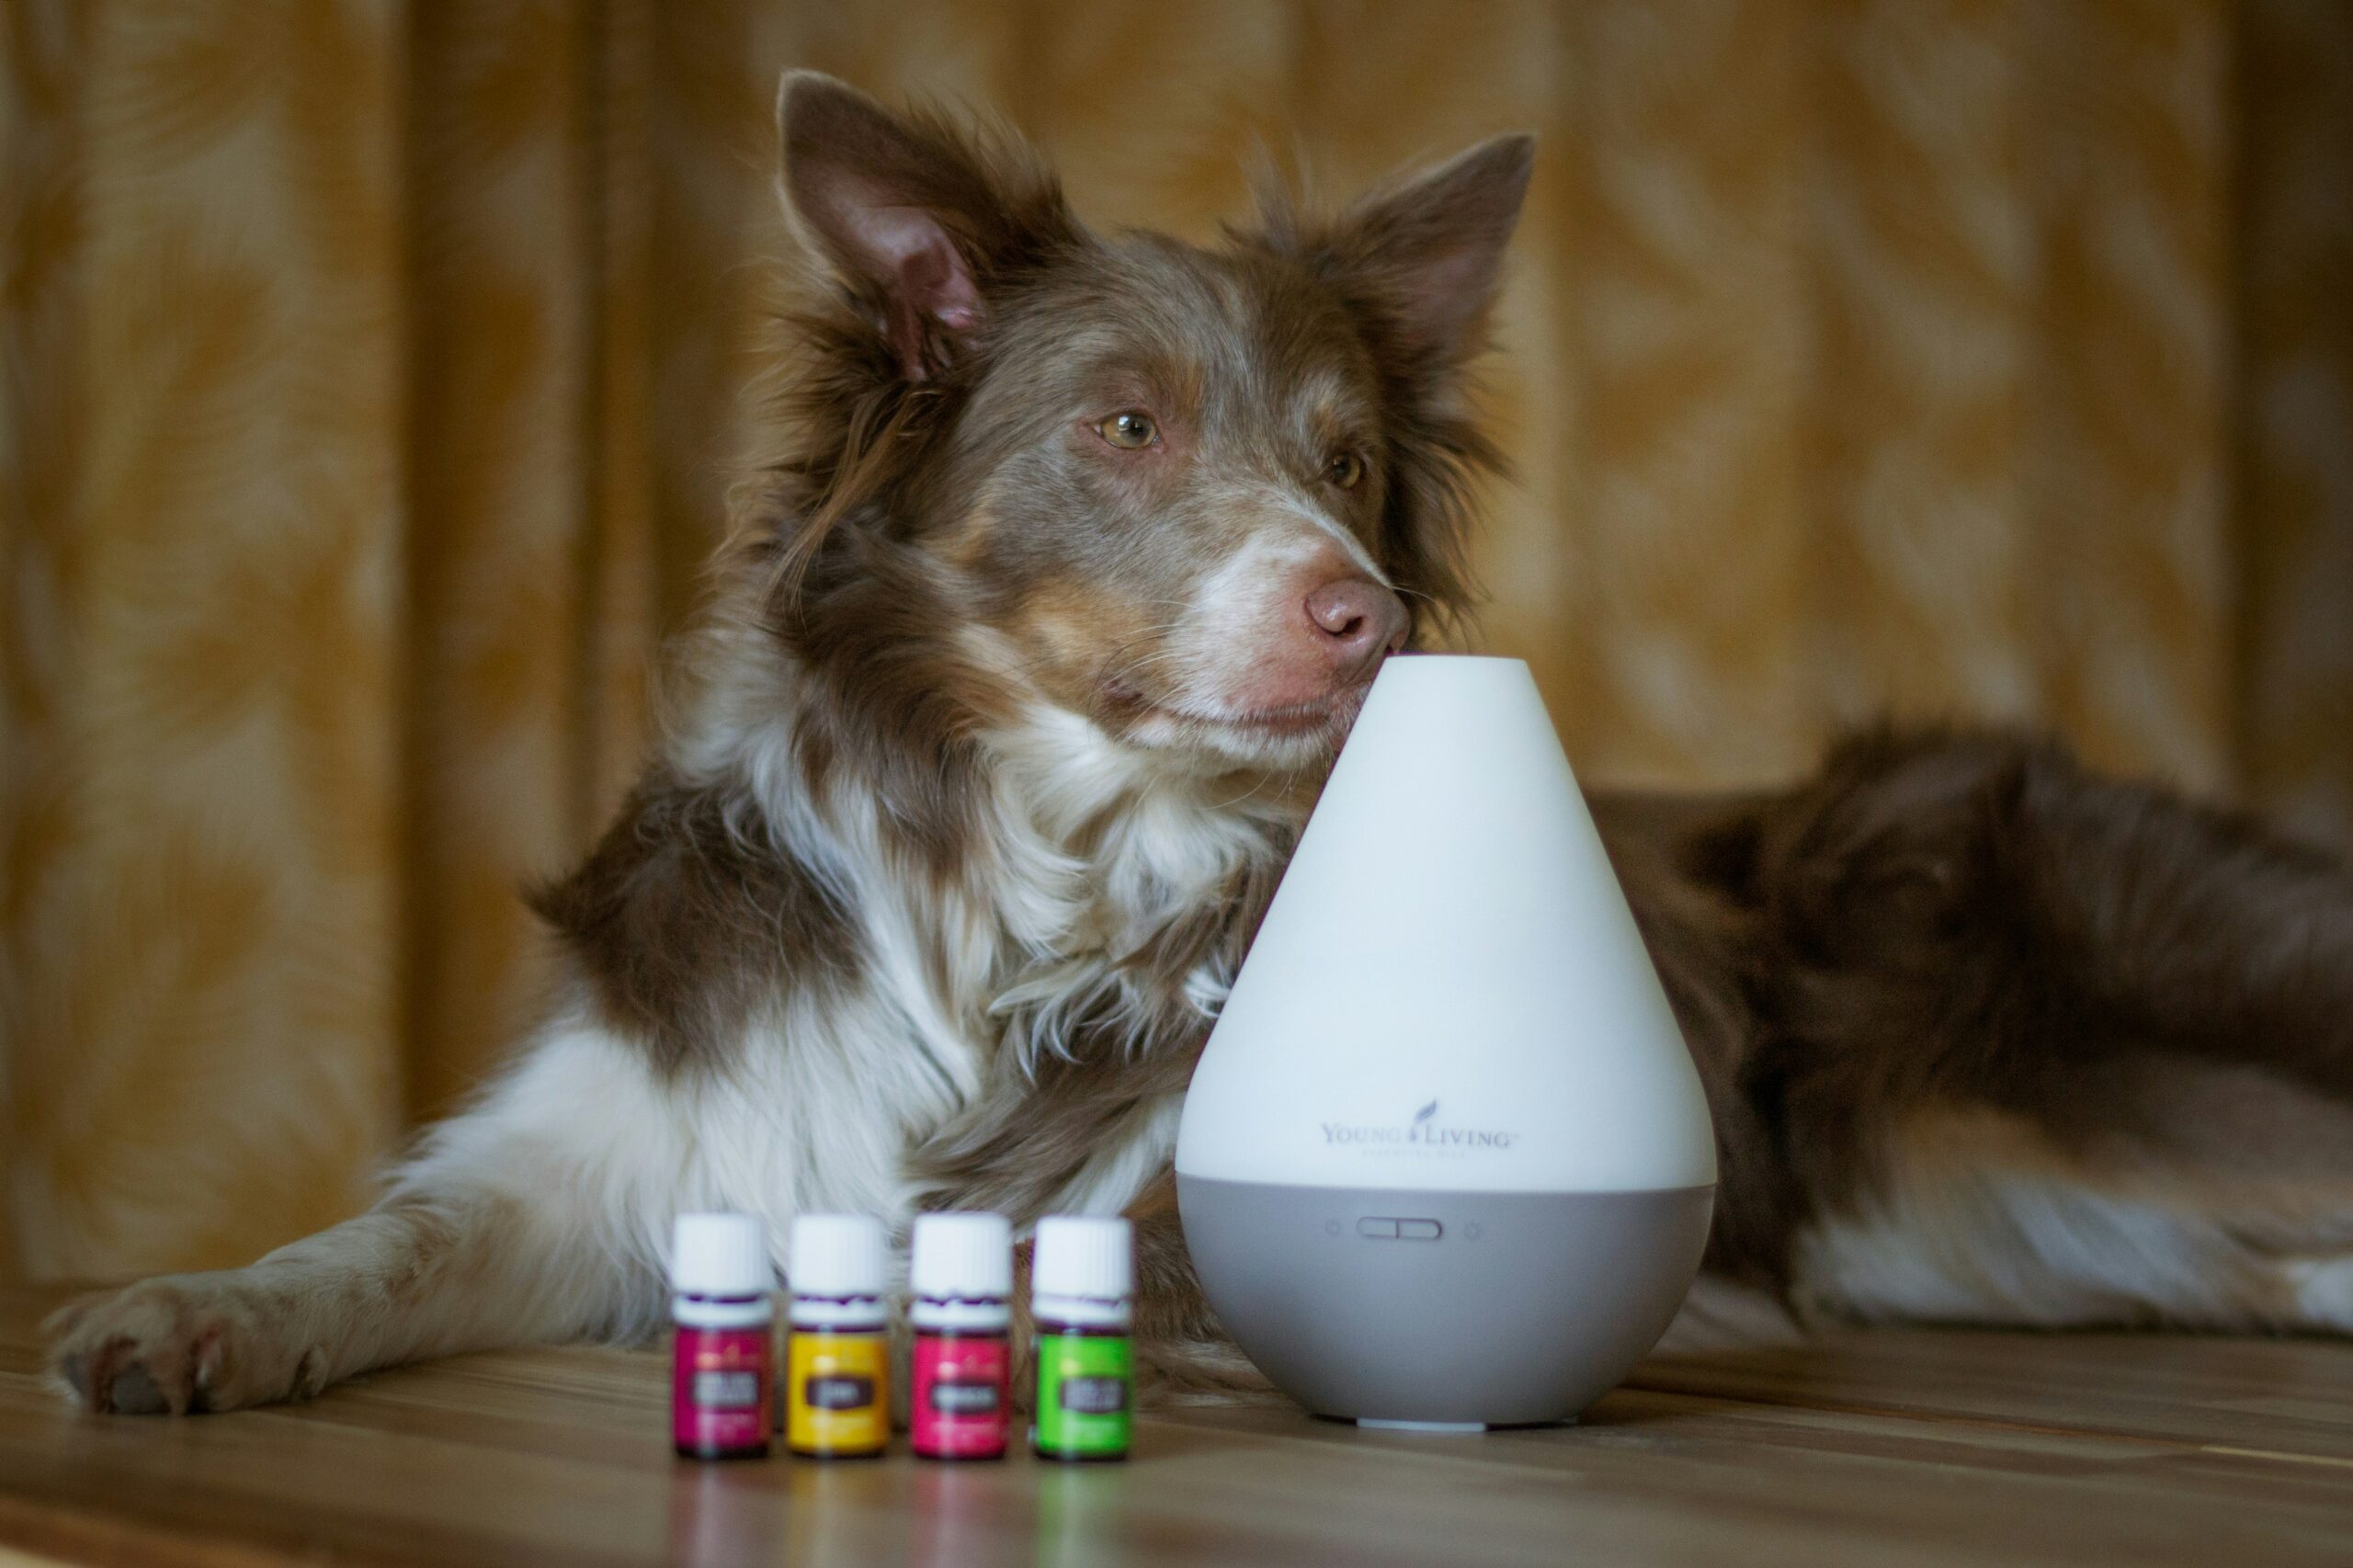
(1886, 1447)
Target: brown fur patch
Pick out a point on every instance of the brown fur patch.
(1965, 922)
(688, 914)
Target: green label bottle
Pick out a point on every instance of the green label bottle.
(1082, 1273)
(1084, 1383)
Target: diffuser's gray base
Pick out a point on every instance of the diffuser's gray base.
(1403, 1304)
(1444, 1428)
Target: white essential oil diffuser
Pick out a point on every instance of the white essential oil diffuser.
(1445, 1161)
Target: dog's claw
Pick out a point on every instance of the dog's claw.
(136, 1392)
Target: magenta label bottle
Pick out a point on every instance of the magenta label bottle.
(721, 1394)
(722, 1359)
(961, 1403)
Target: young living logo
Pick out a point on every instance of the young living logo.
(1424, 1134)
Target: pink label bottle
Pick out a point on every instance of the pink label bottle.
(723, 1369)
(960, 1404)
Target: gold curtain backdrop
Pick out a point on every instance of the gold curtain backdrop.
(372, 381)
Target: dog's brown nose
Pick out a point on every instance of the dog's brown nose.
(1359, 621)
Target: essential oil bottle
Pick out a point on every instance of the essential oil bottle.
(962, 1277)
(837, 1392)
(723, 1304)
(1082, 1273)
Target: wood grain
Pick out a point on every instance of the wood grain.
(1888, 1448)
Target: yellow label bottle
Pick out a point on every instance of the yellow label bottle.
(838, 1366)
(838, 1404)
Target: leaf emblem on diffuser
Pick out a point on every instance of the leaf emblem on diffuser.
(1426, 1113)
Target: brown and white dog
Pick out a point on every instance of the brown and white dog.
(1024, 674)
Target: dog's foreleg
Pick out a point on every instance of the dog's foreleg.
(517, 1225)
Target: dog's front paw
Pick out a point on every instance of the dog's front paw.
(179, 1344)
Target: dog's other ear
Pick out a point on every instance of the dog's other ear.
(914, 219)
(1415, 264)
(1420, 257)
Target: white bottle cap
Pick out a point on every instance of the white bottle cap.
(963, 1256)
(838, 1256)
(1081, 1256)
(721, 1255)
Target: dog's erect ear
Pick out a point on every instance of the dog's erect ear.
(912, 217)
(1415, 264)
(1422, 256)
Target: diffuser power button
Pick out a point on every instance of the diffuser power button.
(1387, 1229)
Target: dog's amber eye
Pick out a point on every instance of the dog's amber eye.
(1130, 431)
(1345, 470)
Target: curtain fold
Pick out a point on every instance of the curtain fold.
(374, 375)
